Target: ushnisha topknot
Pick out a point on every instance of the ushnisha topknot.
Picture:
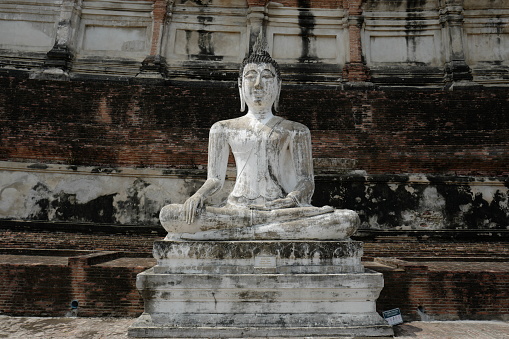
(260, 55)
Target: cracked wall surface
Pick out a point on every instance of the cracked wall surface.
(126, 196)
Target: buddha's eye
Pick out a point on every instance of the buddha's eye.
(251, 75)
(266, 74)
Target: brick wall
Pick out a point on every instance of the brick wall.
(444, 145)
(120, 124)
(455, 290)
(98, 241)
(448, 280)
(43, 288)
(142, 242)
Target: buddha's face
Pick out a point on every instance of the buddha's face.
(260, 85)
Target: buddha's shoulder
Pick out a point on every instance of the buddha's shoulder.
(294, 126)
(244, 122)
(226, 124)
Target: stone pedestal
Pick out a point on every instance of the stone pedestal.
(259, 289)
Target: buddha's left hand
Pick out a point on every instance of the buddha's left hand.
(279, 203)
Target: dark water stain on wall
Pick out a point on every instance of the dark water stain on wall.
(393, 203)
(205, 37)
(98, 210)
(198, 2)
(373, 200)
(470, 210)
(40, 196)
(205, 40)
(137, 208)
(307, 23)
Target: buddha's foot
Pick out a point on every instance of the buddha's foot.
(337, 225)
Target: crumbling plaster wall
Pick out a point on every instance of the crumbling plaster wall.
(90, 194)
(126, 196)
(420, 202)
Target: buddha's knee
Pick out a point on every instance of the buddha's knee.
(169, 216)
(348, 219)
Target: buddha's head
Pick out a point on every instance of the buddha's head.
(259, 80)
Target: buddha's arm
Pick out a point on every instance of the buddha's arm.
(216, 171)
(303, 162)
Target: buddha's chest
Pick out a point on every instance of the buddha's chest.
(262, 142)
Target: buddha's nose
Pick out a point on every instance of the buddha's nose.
(258, 82)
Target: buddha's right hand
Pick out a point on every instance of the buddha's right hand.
(191, 207)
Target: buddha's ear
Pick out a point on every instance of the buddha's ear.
(276, 102)
(242, 101)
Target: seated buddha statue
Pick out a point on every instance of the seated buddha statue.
(271, 198)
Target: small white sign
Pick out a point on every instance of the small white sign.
(393, 317)
(264, 262)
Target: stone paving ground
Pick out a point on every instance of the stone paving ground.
(116, 328)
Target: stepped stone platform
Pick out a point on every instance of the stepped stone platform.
(114, 328)
(259, 289)
(470, 277)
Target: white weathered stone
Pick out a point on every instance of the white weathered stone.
(290, 287)
(28, 26)
(259, 288)
(113, 37)
(486, 39)
(207, 39)
(204, 34)
(256, 256)
(402, 40)
(271, 198)
(399, 35)
(326, 40)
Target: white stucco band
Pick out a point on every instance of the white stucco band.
(127, 196)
